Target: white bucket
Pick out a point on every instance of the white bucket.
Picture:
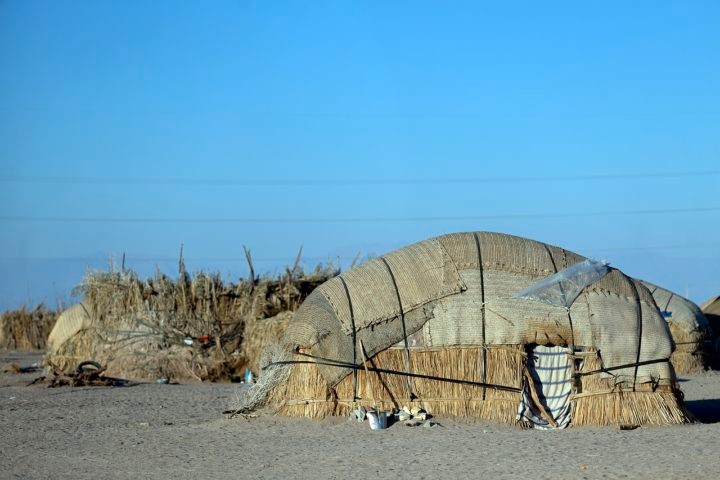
(378, 420)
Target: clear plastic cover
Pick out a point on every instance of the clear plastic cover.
(562, 288)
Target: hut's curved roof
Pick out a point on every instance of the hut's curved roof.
(457, 289)
(677, 308)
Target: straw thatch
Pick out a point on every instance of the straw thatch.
(190, 329)
(689, 328)
(26, 330)
(441, 329)
(259, 333)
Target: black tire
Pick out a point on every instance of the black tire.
(81, 368)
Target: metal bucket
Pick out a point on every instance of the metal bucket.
(377, 419)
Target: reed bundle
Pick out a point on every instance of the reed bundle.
(195, 328)
(306, 393)
(599, 401)
(692, 348)
(26, 330)
(300, 390)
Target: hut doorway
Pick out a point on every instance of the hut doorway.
(547, 384)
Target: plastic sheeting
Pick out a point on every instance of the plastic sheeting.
(562, 288)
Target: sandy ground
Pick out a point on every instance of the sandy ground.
(154, 431)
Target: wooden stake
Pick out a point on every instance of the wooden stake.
(367, 374)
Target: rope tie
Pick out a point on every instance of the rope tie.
(315, 360)
(354, 337)
(638, 310)
(404, 331)
(482, 312)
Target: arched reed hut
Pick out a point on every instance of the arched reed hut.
(453, 325)
(689, 328)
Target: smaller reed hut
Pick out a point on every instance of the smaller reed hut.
(196, 328)
(689, 328)
(477, 324)
(711, 310)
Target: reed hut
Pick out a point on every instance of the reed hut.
(711, 307)
(689, 328)
(469, 324)
(711, 310)
(196, 328)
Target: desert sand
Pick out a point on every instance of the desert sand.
(160, 431)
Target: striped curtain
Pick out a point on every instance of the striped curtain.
(545, 400)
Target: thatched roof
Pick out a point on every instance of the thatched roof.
(439, 286)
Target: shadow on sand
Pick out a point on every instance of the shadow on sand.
(705, 411)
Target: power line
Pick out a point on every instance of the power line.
(129, 259)
(346, 181)
(297, 220)
(290, 259)
(653, 248)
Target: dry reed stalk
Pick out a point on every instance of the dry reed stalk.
(598, 401)
(26, 330)
(259, 333)
(592, 383)
(660, 407)
(305, 393)
(690, 355)
(170, 313)
(688, 363)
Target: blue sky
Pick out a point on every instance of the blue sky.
(351, 129)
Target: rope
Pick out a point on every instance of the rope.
(627, 365)
(639, 328)
(315, 360)
(482, 311)
(405, 340)
(354, 336)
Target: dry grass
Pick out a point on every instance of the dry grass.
(26, 330)
(195, 328)
(305, 393)
(692, 349)
(598, 401)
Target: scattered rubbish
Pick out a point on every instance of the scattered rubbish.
(628, 426)
(360, 414)
(87, 374)
(162, 381)
(380, 420)
(412, 417)
(403, 416)
(14, 368)
(248, 376)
